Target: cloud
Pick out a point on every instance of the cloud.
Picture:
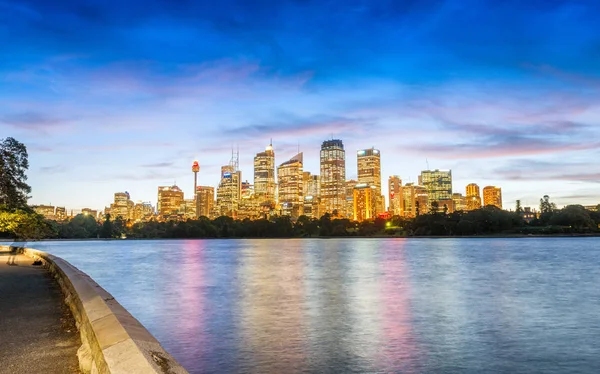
(54, 169)
(158, 165)
(538, 170)
(33, 120)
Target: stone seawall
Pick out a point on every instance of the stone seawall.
(112, 340)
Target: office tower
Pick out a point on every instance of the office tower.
(205, 200)
(264, 174)
(45, 210)
(365, 201)
(188, 208)
(492, 195)
(396, 200)
(90, 212)
(122, 206)
(290, 186)
(142, 211)
(350, 184)
(333, 177)
(415, 200)
(169, 200)
(229, 191)
(473, 197)
(438, 184)
(369, 172)
(460, 202)
(310, 184)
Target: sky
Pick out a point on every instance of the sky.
(113, 96)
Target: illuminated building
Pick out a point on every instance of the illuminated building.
(122, 206)
(350, 184)
(438, 184)
(395, 196)
(369, 172)
(188, 208)
(415, 200)
(310, 184)
(45, 210)
(229, 191)
(205, 200)
(290, 186)
(90, 212)
(170, 199)
(473, 197)
(333, 177)
(142, 211)
(312, 206)
(492, 195)
(460, 201)
(365, 201)
(264, 174)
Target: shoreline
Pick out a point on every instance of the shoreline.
(491, 236)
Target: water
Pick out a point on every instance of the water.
(528, 305)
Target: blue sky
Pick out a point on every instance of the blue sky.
(111, 96)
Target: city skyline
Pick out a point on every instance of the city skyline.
(114, 97)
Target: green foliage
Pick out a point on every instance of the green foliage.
(13, 165)
(25, 225)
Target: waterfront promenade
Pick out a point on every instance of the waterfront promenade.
(37, 330)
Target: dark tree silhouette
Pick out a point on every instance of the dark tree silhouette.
(14, 190)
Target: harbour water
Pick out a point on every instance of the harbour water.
(522, 305)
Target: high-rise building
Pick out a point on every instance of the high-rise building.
(264, 174)
(61, 213)
(438, 184)
(122, 206)
(492, 195)
(205, 199)
(333, 177)
(170, 199)
(396, 200)
(369, 172)
(310, 184)
(45, 210)
(365, 201)
(142, 211)
(416, 200)
(460, 202)
(473, 197)
(350, 184)
(290, 186)
(188, 208)
(229, 191)
(90, 212)
(195, 170)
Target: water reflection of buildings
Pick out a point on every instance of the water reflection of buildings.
(399, 351)
(272, 307)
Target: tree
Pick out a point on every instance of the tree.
(13, 165)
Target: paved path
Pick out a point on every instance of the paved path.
(37, 330)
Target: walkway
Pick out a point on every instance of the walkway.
(37, 330)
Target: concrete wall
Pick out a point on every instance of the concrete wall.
(112, 340)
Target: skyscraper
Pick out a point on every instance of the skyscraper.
(333, 177)
(169, 200)
(492, 195)
(396, 206)
(122, 206)
(416, 200)
(205, 199)
(473, 197)
(229, 191)
(350, 184)
(365, 199)
(290, 186)
(438, 184)
(264, 174)
(460, 202)
(369, 172)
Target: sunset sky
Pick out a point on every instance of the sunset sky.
(124, 95)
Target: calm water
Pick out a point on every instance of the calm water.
(527, 305)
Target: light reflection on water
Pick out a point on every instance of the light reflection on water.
(359, 305)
